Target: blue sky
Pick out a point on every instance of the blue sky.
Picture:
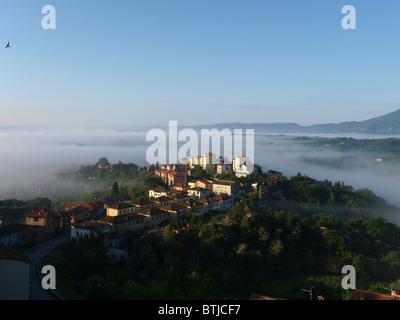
(129, 63)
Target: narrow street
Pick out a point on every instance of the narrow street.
(37, 253)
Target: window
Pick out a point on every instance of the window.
(35, 219)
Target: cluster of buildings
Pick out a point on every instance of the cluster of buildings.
(241, 165)
(178, 201)
(44, 223)
(181, 198)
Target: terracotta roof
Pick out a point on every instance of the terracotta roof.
(163, 198)
(9, 253)
(119, 206)
(203, 201)
(122, 218)
(205, 181)
(221, 197)
(224, 182)
(214, 199)
(78, 210)
(181, 185)
(90, 224)
(162, 170)
(42, 213)
(173, 207)
(255, 296)
(191, 204)
(77, 204)
(154, 231)
(142, 202)
(176, 174)
(107, 200)
(366, 295)
(151, 212)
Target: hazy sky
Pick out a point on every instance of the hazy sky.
(129, 63)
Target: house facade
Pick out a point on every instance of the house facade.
(119, 209)
(43, 223)
(14, 274)
(170, 177)
(15, 235)
(125, 222)
(154, 217)
(230, 188)
(88, 229)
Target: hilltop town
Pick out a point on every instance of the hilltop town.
(178, 196)
(184, 231)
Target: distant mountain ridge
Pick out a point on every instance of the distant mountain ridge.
(388, 124)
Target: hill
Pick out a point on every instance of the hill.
(388, 124)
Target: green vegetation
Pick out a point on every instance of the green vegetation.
(12, 210)
(270, 252)
(308, 196)
(289, 234)
(255, 247)
(128, 181)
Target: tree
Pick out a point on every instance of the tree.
(276, 247)
(327, 221)
(115, 189)
(59, 205)
(102, 162)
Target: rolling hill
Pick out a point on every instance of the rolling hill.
(388, 124)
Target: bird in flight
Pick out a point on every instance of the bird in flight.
(8, 45)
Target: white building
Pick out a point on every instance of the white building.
(242, 166)
(223, 167)
(157, 192)
(88, 228)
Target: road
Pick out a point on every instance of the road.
(37, 253)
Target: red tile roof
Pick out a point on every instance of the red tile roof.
(173, 207)
(42, 213)
(142, 202)
(176, 174)
(366, 295)
(8, 253)
(119, 206)
(90, 224)
(151, 212)
(255, 296)
(73, 205)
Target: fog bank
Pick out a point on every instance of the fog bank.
(33, 157)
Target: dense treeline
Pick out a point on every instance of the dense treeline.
(308, 196)
(289, 234)
(273, 252)
(133, 181)
(12, 210)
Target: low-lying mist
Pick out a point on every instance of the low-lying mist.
(35, 158)
(32, 158)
